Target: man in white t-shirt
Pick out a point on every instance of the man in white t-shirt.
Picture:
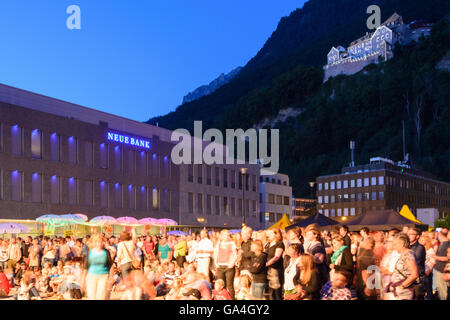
(204, 251)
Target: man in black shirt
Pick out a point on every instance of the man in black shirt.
(258, 269)
(420, 255)
(245, 251)
(343, 232)
(441, 260)
(25, 250)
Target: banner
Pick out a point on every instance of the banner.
(68, 233)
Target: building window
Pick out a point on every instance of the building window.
(359, 183)
(16, 140)
(286, 201)
(271, 198)
(88, 193)
(319, 199)
(339, 212)
(325, 199)
(55, 147)
(332, 199)
(381, 195)
(199, 173)
(103, 156)
(208, 175)
(254, 208)
(366, 182)
(352, 183)
(36, 187)
(374, 195)
(199, 203)
(88, 154)
(327, 213)
(191, 202)
(254, 183)
(352, 211)
(166, 200)
(190, 173)
(233, 206)
(346, 212)
(72, 148)
(155, 198)
(352, 197)
(104, 194)
(381, 180)
(332, 185)
(143, 163)
(319, 187)
(333, 212)
(233, 179)
(118, 196)
(359, 196)
(36, 144)
(226, 209)
(325, 185)
(208, 204)
(166, 167)
(367, 196)
(131, 162)
(55, 189)
(239, 206)
(131, 197)
(374, 181)
(225, 178)
(217, 206)
(117, 159)
(279, 199)
(155, 166)
(338, 184)
(346, 197)
(72, 186)
(217, 176)
(345, 184)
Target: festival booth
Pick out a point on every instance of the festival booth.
(322, 221)
(382, 220)
(282, 224)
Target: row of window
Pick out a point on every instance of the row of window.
(272, 216)
(380, 180)
(228, 177)
(138, 162)
(272, 180)
(217, 205)
(276, 199)
(137, 197)
(352, 197)
(340, 212)
(354, 183)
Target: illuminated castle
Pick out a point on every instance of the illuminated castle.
(373, 46)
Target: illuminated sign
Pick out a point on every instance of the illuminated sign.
(267, 216)
(137, 142)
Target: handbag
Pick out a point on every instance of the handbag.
(135, 262)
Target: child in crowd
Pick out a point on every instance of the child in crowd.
(244, 288)
(336, 288)
(220, 292)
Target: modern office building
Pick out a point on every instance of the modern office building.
(275, 196)
(302, 208)
(380, 185)
(57, 157)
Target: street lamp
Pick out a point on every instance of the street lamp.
(311, 184)
(244, 183)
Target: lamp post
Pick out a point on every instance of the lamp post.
(244, 183)
(311, 184)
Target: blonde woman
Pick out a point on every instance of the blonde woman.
(97, 268)
(225, 257)
(308, 281)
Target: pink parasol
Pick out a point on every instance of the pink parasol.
(103, 220)
(127, 220)
(148, 221)
(167, 222)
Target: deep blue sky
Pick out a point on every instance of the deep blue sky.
(131, 58)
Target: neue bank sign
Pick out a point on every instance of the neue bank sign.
(130, 140)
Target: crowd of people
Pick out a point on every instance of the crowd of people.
(297, 264)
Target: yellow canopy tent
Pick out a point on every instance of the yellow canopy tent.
(282, 223)
(409, 215)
